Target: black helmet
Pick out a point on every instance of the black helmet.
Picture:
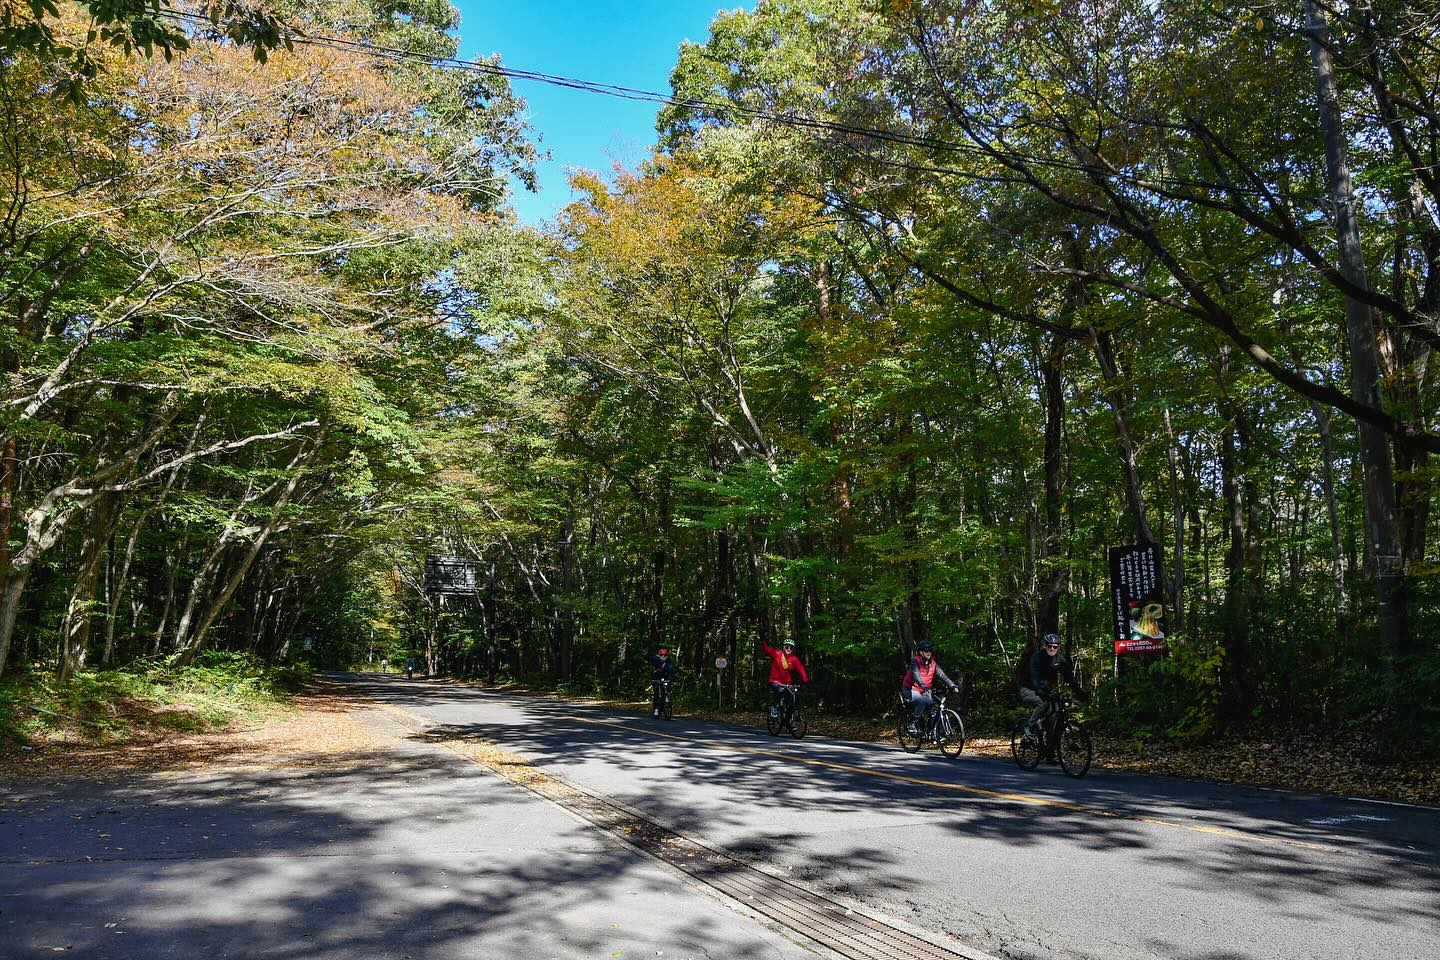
(925, 646)
(1050, 638)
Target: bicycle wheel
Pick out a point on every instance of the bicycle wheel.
(950, 734)
(772, 723)
(1075, 749)
(1025, 748)
(667, 706)
(798, 724)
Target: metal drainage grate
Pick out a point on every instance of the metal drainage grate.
(845, 931)
(832, 925)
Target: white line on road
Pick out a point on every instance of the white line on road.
(1397, 803)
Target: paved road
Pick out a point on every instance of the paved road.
(408, 853)
(1114, 867)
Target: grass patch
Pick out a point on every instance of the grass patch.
(144, 699)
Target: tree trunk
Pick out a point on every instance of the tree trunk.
(1115, 395)
(7, 500)
(1054, 576)
(1381, 527)
(915, 628)
(80, 612)
(43, 526)
(10, 608)
(1237, 632)
(1332, 510)
(172, 567)
(117, 594)
(1177, 581)
(566, 626)
(191, 642)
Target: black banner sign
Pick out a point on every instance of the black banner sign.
(451, 575)
(1137, 590)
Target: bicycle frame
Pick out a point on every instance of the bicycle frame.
(1057, 737)
(1057, 711)
(930, 718)
(789, 697)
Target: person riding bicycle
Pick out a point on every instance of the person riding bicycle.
(784, 665)
(409, 668)
(1046, 665)
(662, 670)
(920, 679)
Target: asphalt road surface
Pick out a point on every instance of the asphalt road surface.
(1112, 867)
(421, 853)
(415, 853)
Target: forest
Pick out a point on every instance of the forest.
(916, 308)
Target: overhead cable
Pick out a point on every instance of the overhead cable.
(788, 119)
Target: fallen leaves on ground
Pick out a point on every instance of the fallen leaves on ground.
(314, 729)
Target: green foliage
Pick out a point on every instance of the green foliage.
(1177, 697)
(782, 381)
(117, 704)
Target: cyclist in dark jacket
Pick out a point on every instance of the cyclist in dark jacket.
(662, 670)
(1047, 665)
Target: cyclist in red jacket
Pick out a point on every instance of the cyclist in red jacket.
(784, 665)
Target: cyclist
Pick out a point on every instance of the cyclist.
(662, 670)
(783, 666)
(409, 668)
(1046, 665)
(920, 680)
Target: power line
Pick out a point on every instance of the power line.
(794, 120)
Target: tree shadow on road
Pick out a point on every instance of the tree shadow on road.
(1230, 845)
(410, 854)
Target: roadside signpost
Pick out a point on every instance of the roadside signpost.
(451, 576)
(720, 664)
(1137, 592)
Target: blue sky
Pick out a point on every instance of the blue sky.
(633, 44)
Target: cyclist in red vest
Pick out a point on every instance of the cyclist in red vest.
(784, 665)
(920, 679)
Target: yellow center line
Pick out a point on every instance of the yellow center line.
(992, 794)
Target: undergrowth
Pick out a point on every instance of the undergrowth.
(143, 698)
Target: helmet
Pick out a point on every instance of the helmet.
(790, 644)
(925, 646)
(1050, 638)
(664, 652)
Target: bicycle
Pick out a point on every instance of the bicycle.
(942, 727)
(1059, 737)
(667, 699)
(789, 716)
